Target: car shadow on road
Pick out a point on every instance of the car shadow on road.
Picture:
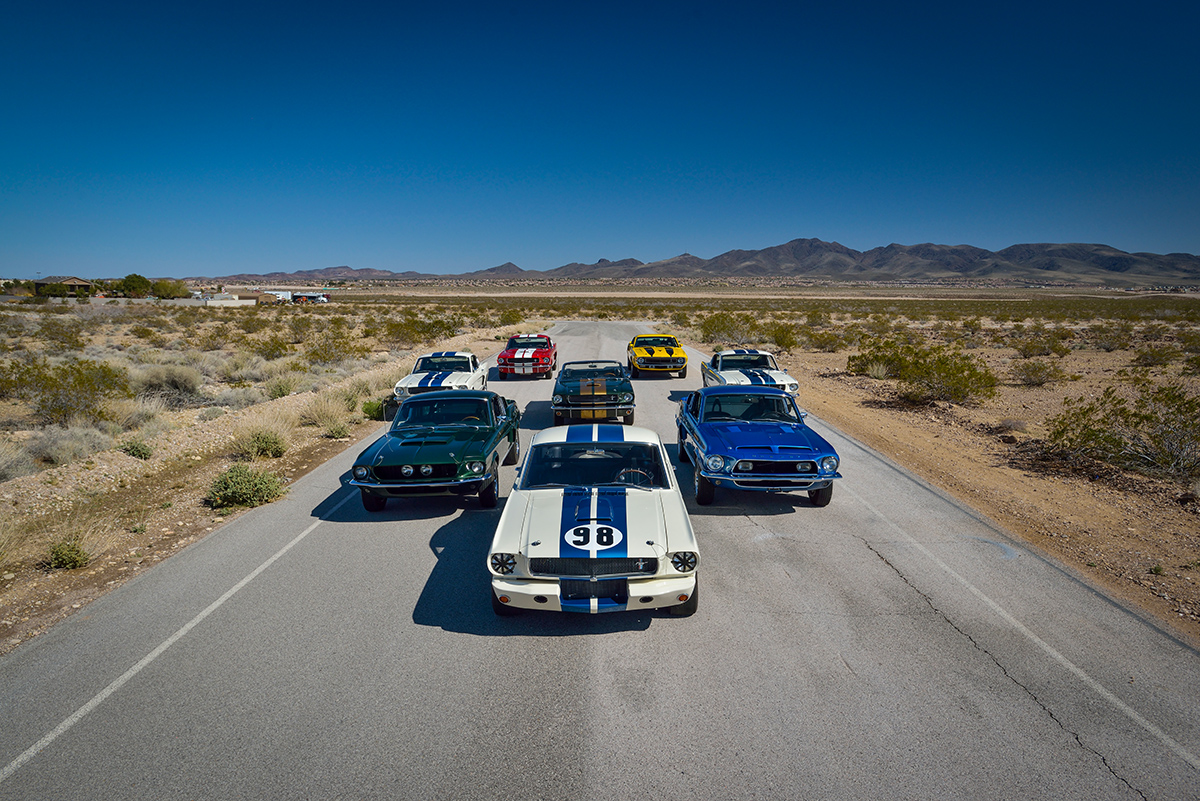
(537, 415)
(733, 502)
(401, 509)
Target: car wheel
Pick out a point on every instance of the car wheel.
(503, 376)
(488, 494)
(704, 489)
(503, 610)
(514, 453)
(683, 372)
(628, 419)
(634, 371)
(822, 496)
(372, 502)
(688, 607)
(683, 454)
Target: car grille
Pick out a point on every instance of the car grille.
(580, 566)
(659, 361)
(574, 590)
(764, 468)
(524, 362)
(414, 390)
(392, 472)
(591, 400)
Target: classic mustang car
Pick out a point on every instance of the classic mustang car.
(753, 438)
(528, 354)
(594, 390)
(441, 443)
(750, 368)
(656, 353)
(595, 524)
(442, 370)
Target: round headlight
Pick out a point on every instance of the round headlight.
(683, 561)
(476, 467)
(793, 387)
(626, 397)
(406, 470)
(557, 399)
(400, 392)
(503, 563)
(640, 360)
(427, 470)
(360, 472)
(715, 463)
(829, 464)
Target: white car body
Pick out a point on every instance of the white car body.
(600, 545)
(746, 367)
(441, 370)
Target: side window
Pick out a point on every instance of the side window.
(694, 405)
(498, 407)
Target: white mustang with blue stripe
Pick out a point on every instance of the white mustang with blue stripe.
(448, 369)
(746, 367)
(596, 523)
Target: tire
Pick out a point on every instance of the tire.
(705, 491)
(514, 453)
(373, 503)
(683, 372)
(488, 494)
(821, 497)
(688, 607)
(503, 610)
(634, 372)
(503, 376)
(683, 453)
(628, 420)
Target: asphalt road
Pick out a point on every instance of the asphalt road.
(891, 645)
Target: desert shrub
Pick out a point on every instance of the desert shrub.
(1191, 365)
(323, 411)
(374, 409)
(15, 461)
(1036, 373)
(211, 413)
(332, 345)
(64, 444)
(257, 442)
(241, 485)
(1155, 356)
(1189, 341)
(877, 370)
(68, 554)
(1110, 336)
(300, 327)
(136, 448)
(59, 335)
(824, 340)
(252, 322)
(215, 337)
(239, 397)
(281, 385)
(927, 373)
(176, 385)
(1158, 432)
(1039, 341)
(74, 389)
(1013, 424)
(511, 317)
(131, 413)
(817, 319)
(735, 329)
(273, 347)
(244, 367)
(783, 335)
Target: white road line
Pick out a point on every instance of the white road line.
(1045, 647)
(118, 683)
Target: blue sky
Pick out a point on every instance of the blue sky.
(176, 141)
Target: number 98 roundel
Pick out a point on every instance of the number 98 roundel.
(593, 537)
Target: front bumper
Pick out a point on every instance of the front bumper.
(648, 593)
(523, 369)
(450, 486)
(597, 412)
(770, 483)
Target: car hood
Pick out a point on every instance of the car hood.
(556, 519)
(782, 438)
(438, 379)
(756, 377)
(645, 350)
(426, 444)
(591, 386)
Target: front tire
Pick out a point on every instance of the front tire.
(683, 372)
(634, 372)
(822, 496)
(489, 494)
(373, 503)
(503, 375)
(683, 452)
(688, 607)
(705, 491)
(514, 452)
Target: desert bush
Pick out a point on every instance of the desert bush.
(511, 317)
(254, 443)
(734, 329)
(68, 554)
(137, 448)
(1036, 373)
(60, 335)
(272, 347)
(877, 370)
(74, 389)
(215, 337)
(244, 367)
(211, 413)
(131, 413)
(823, 340)
(300, 327)
(374, 409)
(1111, 336)
(15, 461)
(241, 485)
(1039, 341)
(927, 373)
(251, 321)
(328, 412)
(1158, 432)
(332, 345)
(1156, 356)
(239, 397)
(176, 385)
(64, 444)
(281, 385)
(783, 335)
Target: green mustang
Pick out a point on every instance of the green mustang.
(592, 391)
(441, 443)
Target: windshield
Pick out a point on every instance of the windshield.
(747, 361)
(443, 411)
(750, 408)
(583, 371)
(594, 464)
(656, 342)
(443, 364)
(528, 342)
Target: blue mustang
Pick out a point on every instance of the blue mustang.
(753, 438)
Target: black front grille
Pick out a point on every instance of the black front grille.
(591, 400)
(661, 362)
(582, 566)
(574, 590)
(392, 472)
(764, 468)
(419, 390)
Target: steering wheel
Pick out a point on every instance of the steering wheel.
(617, 479)
(773, 416)
(470, 417)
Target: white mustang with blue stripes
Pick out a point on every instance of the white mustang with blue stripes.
(596, 523)
(746, 367)
(448, 369)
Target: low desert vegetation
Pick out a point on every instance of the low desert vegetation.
(242, 485)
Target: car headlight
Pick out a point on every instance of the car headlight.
(681, 361)
(829, 464)
(683, 561)
(715, 463)
(503, 563)
(744, 466)
(406, 470)
(793, 387)
(545, 360)
(476, 468)
(626, 397)
(427, 470)
(640, 360)
(361, 472)
(400, 392)
(556, 400)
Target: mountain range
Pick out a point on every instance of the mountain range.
(819, 260)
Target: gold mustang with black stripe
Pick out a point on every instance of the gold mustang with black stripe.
(589, 391)
(656, 353)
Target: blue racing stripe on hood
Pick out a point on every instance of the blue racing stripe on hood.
(576, 512)
(610, 433)
(580, 433)
(757, 376)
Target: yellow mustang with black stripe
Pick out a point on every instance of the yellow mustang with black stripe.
(656, 353)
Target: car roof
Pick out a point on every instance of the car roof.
(482, 394)
(741, 389)
(596, 432)
(593, 363)
(743, 352)
(447, 353)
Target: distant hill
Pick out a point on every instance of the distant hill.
(813, 258)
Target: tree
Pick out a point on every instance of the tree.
(135, 286)
(169, 288)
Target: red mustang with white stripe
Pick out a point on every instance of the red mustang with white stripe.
(528, 354)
